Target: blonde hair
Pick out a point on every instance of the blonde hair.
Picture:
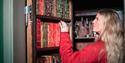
(112, 35)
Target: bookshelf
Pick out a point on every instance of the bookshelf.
(81, 14)
(82, 31)
(49, 50)
(43, 19)
(84, 13)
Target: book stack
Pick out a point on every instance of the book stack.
(56, 8)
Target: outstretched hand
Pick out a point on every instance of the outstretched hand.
(63, 26)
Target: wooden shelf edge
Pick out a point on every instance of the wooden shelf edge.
(47, 48)
(52, 18)
(47, 51)
(92, 39)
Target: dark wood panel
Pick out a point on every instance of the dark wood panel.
(97, 4)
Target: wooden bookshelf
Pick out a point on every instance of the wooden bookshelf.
(47, 51)
(37, 52)
(52, 18)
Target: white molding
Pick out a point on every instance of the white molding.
(8, 30)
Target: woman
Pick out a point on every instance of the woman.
(106, 49)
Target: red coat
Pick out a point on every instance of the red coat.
(94, 53)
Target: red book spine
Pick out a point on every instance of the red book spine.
(53, 34)
(41, 7)
(50, 35)
(38, 33)
(56, 36)
(41, 34)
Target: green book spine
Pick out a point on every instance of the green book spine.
(36, 7)
(45, 34)
(59, 8)
(66, 15)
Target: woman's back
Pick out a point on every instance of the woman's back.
(93, 53)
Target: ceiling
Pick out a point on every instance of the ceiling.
(96, 4)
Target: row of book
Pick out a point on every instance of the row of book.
(84, 27)
(49, 59)
(57, 8)
(48, 34)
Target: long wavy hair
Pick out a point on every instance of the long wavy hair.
(112, 35)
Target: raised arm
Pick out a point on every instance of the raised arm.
(89, 54)
(66, 50)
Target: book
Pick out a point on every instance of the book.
(38, 33)
(49, 59)
(41, 7)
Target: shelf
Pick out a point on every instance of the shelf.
(97, 4)
(86, 13)
(91, 39)
(52, 18)
(47, 51)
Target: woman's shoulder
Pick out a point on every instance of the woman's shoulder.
(99, 44)
(93, 51)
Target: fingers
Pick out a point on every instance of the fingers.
(63, 26)
(60, 24)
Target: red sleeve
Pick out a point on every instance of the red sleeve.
(88, 55)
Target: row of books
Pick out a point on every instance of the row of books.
(57, 8)
(48, 34)
(84, 27)
(49, 59)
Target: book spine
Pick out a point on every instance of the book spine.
(63, 8)
(48, 7)
(66, 15)
(41, 7)
(56, 31)
(50, 35)
(54, 10)
(59, 8)
(49, 59)
(70, 9)
(38, 33)
(41, 34)
(45, 34)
